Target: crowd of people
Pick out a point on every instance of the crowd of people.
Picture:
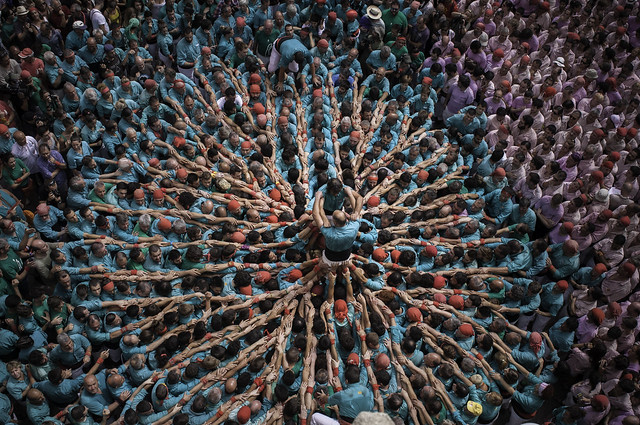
(319, 212)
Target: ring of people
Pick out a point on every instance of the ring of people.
(321, 212)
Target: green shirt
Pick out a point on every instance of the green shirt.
(11, 266)
(389, 20)
(9, 176)
(94, 198)
(263, 41)
(398, 52)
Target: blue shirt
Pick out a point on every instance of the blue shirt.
(341, 238)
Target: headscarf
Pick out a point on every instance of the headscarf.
(340, 310)
(535, 342)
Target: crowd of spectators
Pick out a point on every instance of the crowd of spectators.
(309, 211)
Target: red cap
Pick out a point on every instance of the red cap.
(262, 276)
(317, 93)
(568, 226)
(621, 131)
(608, 164)
(181, 173)
(178, 84)
(423, 174)
(109, 286)
(164, 225)
(205, 50)
(607, 213)
(258, 108)
(240, 22)
(244, 414)
(466, 329)
(629, 268)
(395, 255)
(246, 290)
(498, 53)
(294, 275)
(353, 359)
(598, 315)
(456, 301)
(550, 91)
(179, 142)
(379, 255)
(597, 175)
(374, 201)
(154, 162)
(562, 285)
(138, 194)
(323, 43)
(480, 25)
(414, 315)
(245, 145)
(25, 74)
(333, 16)
(271, 219)
(158, 194)
(275, 195)
(499, 172)
(573, 36)
(233, 205)
(238, 237)
(3, 128)
(525, 45)
(427, 80)
(431, 251)
(150, 83)
(625, 220)
(599, 132)
(439, 282)
(254, 79)
(615, 155)
(633, 132)
(352, 14)
(600, 268)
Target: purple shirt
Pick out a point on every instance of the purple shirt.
(459, 99)
(479, 58)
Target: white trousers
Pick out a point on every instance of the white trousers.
(274, 61)
(320, 419)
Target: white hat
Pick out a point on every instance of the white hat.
(21, 10)
(483, 39)
(79, 25)
(602, 195)
(373, 12)
(559, 62)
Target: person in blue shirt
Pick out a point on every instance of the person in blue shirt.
(352, 400)
(288, 54)
(382, 58)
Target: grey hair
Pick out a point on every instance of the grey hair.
(63, 338)
(91, 94)
(49, 56)
(179, 225)
(385, 50)
(145, 220)
(76, 183)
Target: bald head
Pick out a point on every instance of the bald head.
(207, 207)
(339, 218)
